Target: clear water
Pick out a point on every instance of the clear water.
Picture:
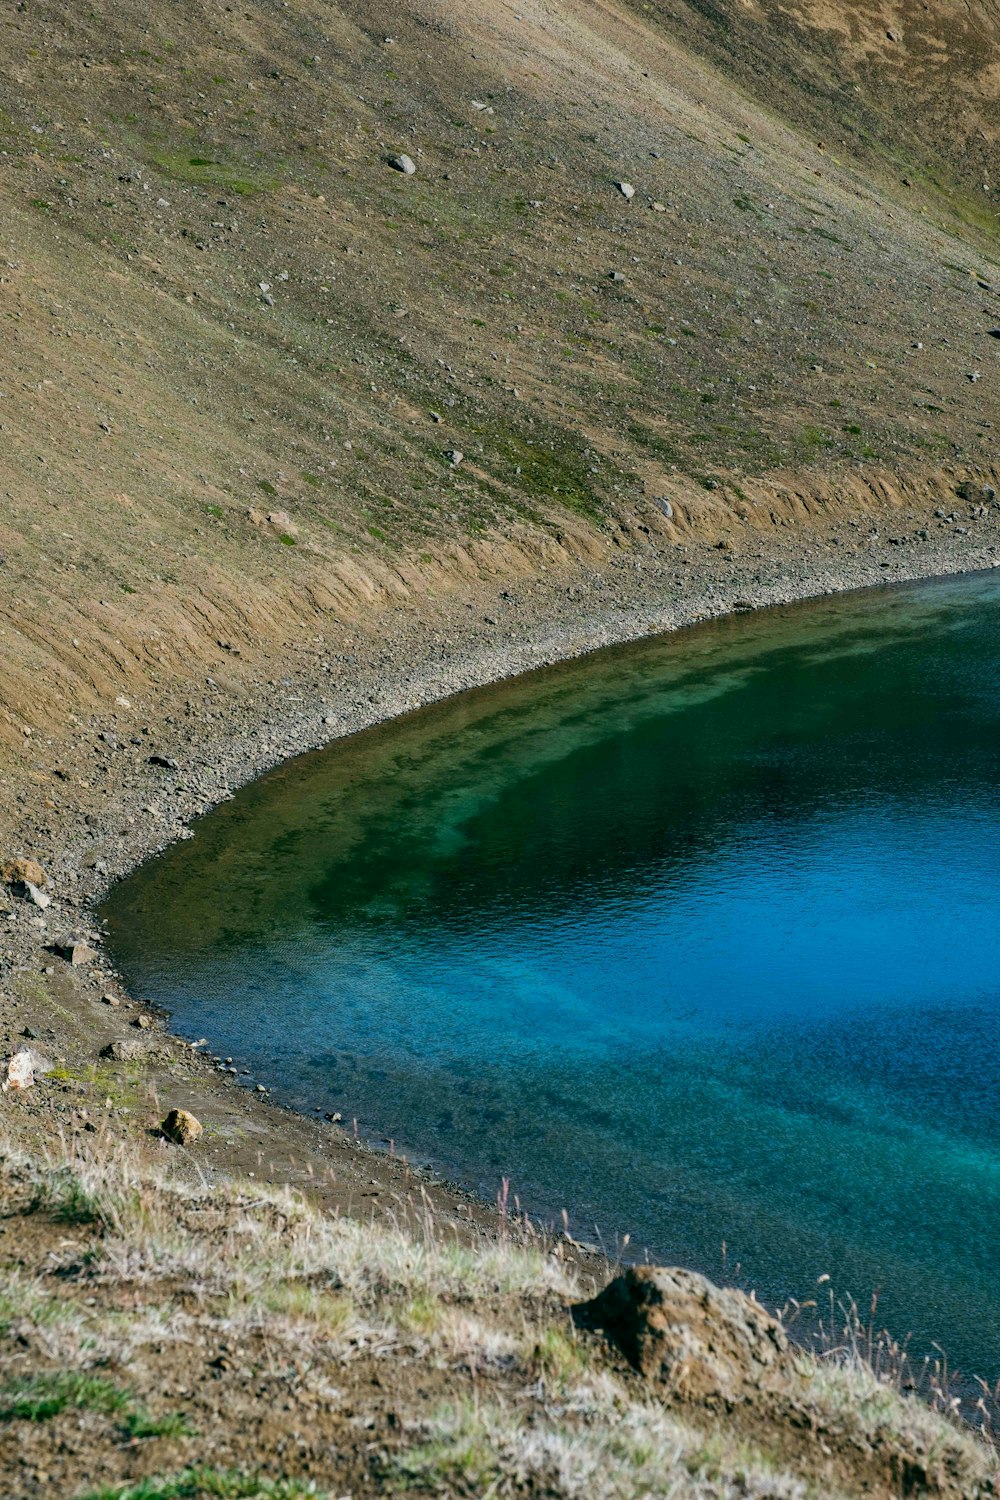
(697, 939)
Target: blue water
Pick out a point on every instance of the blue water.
(696, 939)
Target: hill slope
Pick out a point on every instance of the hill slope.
(221, 303)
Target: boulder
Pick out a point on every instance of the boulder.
(976, 494)
(181, 1127)
(20, 1072)
(696, 1341)
(33, 893)
(129, 1049)
(76, 953)
(403, 163)
(23, 872)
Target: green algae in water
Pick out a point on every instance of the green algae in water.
(695, 938)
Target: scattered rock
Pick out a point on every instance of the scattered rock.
(166, 761)
(454, 457)
(181, 1127)
(20, 1072)
(698, 1341)
(129, 1049)
(404, 164)
(30, 892)
(111, 1000)
(23, 872)
(76, 954)
(626, 189)
(142, 1023)
(976, 494)
(618, 276)
(663, 504)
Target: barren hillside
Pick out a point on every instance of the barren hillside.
(242, 352)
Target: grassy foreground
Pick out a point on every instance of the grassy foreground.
(165, 1337)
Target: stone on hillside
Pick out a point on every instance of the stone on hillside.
(626, 189)
(282, 521)
(698, 1341)
(76, 954)
(403, 163)
(976, 494)
(181, 1127)
(128, 1049)
(31, 893)
(20, 1072)
(663, 504)
(455, 457)
(23, 872)
(617, 276)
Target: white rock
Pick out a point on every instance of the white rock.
(404, 164)
(626, 189)
(20, 1072)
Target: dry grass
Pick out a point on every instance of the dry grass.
(492, 1390)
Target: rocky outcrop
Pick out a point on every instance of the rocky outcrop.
(696, 1341)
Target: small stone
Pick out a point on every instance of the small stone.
(111, 1000)
(626, 189)
(663, 504)
(455, 457)
(166, 761)
(659, 208)
(403, 163)
(181, 1127)
(23, 872)
(32, 893)
(142, 1023)
(616, 276)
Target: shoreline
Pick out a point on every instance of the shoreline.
(87, 1008)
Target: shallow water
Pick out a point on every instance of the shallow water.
(695, 938)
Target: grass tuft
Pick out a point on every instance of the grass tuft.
(36, 1398)
(209, 1484)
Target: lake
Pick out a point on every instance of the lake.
(696, 939)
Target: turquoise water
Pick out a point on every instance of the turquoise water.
(696, 939)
